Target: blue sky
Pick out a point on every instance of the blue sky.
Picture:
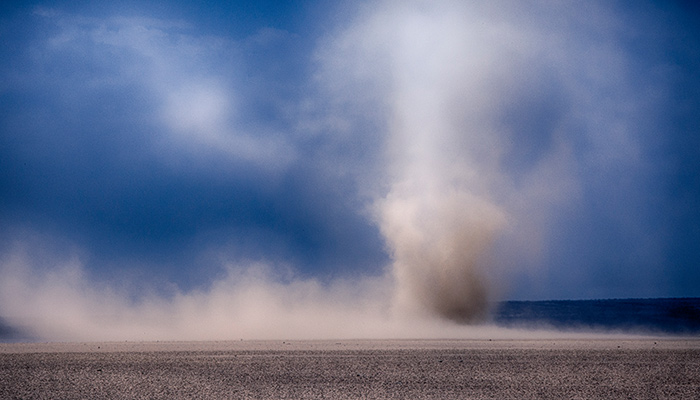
(506, 150)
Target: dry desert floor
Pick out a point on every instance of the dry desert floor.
(654, 368)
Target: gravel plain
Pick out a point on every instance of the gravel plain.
(655, 368)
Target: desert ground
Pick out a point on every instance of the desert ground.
(612, 368)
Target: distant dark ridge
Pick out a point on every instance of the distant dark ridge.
(666, 315)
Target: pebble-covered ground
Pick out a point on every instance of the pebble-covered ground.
(426, 369)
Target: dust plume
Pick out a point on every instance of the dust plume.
(438, 217)
(250, 302)
(254, 301)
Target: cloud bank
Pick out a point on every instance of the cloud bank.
(388, 176)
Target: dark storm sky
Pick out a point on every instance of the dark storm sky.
(167, 140)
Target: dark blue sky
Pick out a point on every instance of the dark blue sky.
(164, 141)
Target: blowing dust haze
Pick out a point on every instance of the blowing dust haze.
(375, 170)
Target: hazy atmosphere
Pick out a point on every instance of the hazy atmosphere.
(183, 170)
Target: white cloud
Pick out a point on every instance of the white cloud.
(191, 80)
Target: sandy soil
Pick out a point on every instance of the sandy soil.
(410, 369)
